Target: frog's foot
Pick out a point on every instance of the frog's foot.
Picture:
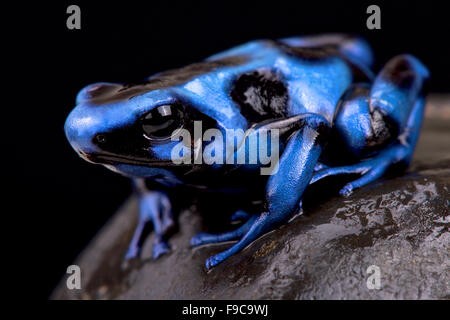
(160, 247)
(154, 207)
(215, 260)
(132, 252)
(204, 238)
(254, 228)
(370, 170)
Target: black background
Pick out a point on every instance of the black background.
(60, 199)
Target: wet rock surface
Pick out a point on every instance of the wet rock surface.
(399, 224)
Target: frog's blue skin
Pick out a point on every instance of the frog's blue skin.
(334, 115)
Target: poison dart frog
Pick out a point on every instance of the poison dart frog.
(326, 113)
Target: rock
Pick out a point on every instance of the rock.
(398, 224)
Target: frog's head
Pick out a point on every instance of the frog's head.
(130, 129)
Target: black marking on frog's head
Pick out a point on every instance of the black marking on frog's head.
(128, 141)
(261, 95)
(104, 93)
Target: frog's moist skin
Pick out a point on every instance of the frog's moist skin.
(333, 114)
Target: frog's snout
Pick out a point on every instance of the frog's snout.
(80, 129)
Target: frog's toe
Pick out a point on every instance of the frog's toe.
(200, 238)
(213, 261)
(240, 215)
(160, 248)
(346, 191)
(131, 253)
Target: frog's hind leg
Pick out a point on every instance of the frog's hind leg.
(382, 122)
(154, 207)
(284, 188)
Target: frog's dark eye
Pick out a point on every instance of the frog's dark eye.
(162, 122)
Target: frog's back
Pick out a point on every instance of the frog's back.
(278, 80)
(256, 81)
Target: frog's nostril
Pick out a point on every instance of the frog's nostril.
(100, 138)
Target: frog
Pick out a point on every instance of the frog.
(332, 115)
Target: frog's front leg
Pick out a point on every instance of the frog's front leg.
(285, 188)
(391, 111)
(154, 207)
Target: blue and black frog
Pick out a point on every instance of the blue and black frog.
(333, 116)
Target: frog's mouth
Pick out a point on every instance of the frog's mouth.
(113, 159)
(123, 165)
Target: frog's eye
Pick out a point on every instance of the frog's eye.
(162, 122)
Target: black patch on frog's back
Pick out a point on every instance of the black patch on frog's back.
(399, 71)
(312, 54)
(323, 52)
(261, 95)
(166, 79)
